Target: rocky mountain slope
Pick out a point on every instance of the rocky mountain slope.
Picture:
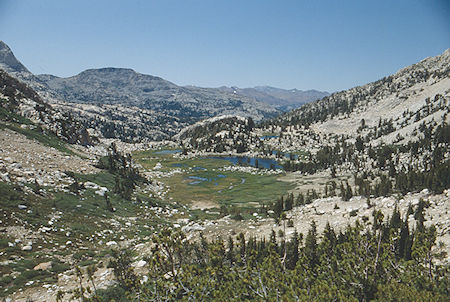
(130, 106)
(393, 97)
(282, 99)
(125, 87)
(9, 63)
(21, 106)
(219, 134)
(12, 66)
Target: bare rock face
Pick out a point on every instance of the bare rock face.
(8, 61)
(10, 64)
(27, 248)
(44, 266)
(23, 160)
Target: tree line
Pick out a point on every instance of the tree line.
(382, 260)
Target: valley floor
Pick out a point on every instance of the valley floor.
(197, 195)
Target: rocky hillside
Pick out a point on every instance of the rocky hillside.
(12, 66)
(420, 89)
(219, 134)
(22, 107)
(282, 99)
(402, 109)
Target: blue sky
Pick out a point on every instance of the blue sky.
(325, 45)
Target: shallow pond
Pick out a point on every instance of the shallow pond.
(167, 151)
(197, 179)
(199, 169)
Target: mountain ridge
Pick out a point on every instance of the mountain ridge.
(268, 99)
(283, 99)
(9, 61)
(140, 107)
(10, 64)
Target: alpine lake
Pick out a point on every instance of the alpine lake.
(214, 182)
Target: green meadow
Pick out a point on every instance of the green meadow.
(203, 181)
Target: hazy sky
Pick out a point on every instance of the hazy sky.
(325, 45)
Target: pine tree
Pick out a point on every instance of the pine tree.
(108, 203)
(310, 249)
(395, 221)
(242, 249)
(404, 242)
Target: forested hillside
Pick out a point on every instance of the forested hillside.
(386, 260)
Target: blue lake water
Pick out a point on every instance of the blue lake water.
(164, 152)
(199, 169)
(198, 179)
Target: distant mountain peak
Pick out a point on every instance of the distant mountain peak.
(119, 74)
(282, 99)
(110, 69)
(8, 61)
